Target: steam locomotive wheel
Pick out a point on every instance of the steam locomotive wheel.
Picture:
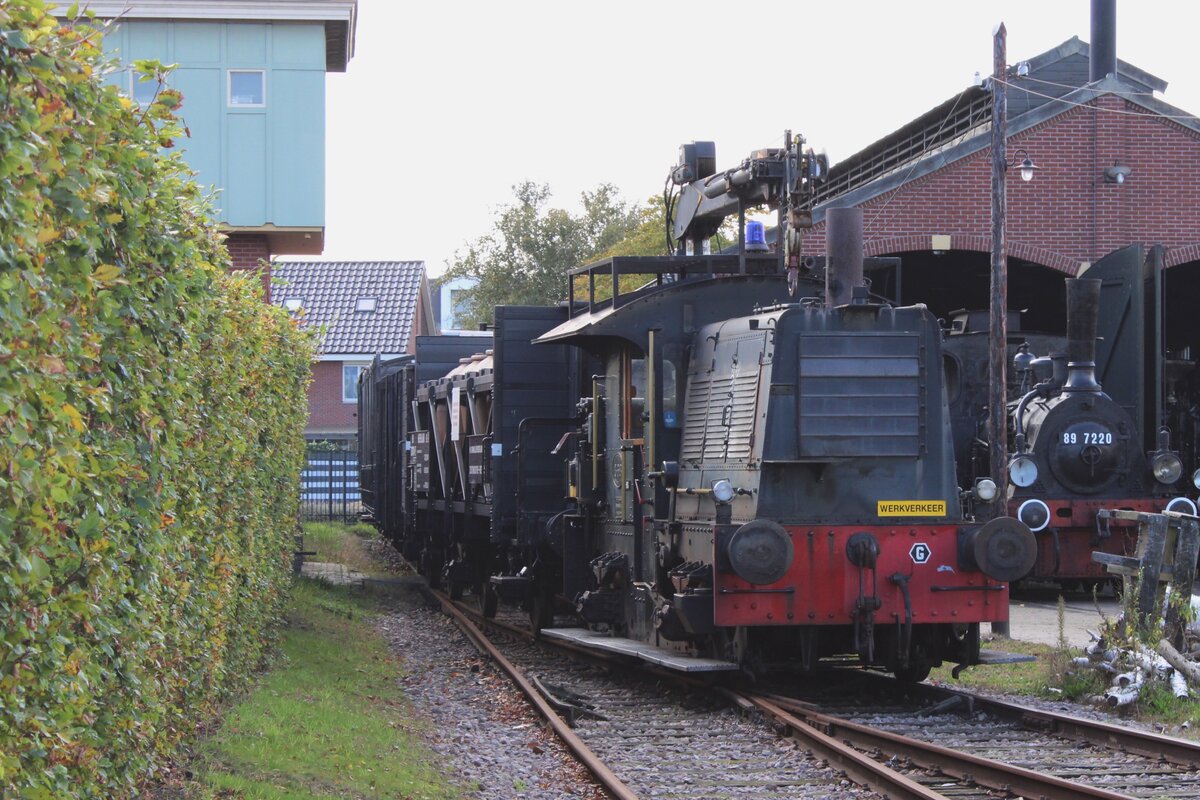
(431, 568)
(541, 609)
(487, 599)
(912, 674)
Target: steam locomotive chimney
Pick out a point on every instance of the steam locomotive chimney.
(843, 254)
(1104, 40)
(1083, 309)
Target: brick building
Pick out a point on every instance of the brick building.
(925, 190)
(1119, 181)
(363, 309)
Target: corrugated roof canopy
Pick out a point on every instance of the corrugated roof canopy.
(1052, 75)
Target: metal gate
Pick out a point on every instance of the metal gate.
(329, 485)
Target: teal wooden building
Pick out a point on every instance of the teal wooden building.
(252, 76)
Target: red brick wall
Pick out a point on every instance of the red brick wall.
(326, 411)
(1068, 213)
(250, 251)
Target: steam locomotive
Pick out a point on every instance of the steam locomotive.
(1073, 449)
(741, 465)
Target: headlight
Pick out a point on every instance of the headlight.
(985, 489)
(1166, 467)
(1182, 505)
(722, 490)
(1022, 471)
(1196, 479)
(1035, 514)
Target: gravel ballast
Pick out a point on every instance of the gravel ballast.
(492, 744)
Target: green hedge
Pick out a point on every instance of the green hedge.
(151, 418)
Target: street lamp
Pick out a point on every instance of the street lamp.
(1026, 164)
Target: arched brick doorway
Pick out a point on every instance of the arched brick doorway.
(960, 277)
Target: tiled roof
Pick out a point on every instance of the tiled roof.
(330, 291)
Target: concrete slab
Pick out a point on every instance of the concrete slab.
(337, 574)
(1034, 617)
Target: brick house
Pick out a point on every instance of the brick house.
(364, 309)
(252, 76)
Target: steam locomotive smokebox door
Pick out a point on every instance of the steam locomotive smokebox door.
(420, 460)
(479, 465)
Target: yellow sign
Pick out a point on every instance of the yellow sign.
(912, 508)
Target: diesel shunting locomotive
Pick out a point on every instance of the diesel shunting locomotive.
(745, 463)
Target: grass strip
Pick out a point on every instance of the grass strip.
(330, 721)
(342, 544)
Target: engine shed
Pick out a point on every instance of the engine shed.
(1113, 199)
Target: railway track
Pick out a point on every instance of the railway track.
(646, 737)
(1043, 753)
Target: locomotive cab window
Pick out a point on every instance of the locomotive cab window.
(633, 397)
(672, 403)
(670, 392)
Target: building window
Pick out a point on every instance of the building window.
(458, 306)
(143, 92)
(294, 304)
(366, 304)
(350, 374)
(247, 88)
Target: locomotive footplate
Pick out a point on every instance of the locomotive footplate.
(646, 652)
(993, 657)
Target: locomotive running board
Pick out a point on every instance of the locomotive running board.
(1000, 657)
(988, 657)
(646, 652)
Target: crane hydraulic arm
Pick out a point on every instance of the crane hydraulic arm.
(782, 178)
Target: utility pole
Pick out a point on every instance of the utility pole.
(998, 318)
(998, 327)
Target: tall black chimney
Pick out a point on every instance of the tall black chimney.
(1104, 39)
(1083, 312)
(843, 254)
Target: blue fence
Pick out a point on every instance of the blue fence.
(329, 486)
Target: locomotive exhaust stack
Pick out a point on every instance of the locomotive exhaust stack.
(1083, 310)
(844, 252)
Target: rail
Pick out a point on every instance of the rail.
(582, 752)
(802, 719)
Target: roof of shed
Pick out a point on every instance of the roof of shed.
(1053, 85)
(330, 291)
(340, 17)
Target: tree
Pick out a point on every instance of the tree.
(525, 258)
(649, 238)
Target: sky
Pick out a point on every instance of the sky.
(446, 106)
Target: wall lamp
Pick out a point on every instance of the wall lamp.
(1116, 174)
(1022, 161)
